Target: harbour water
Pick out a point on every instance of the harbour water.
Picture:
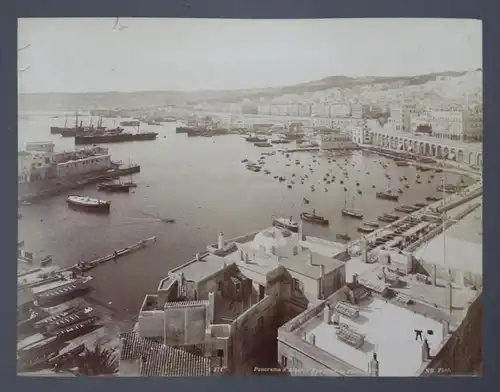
(202, 184)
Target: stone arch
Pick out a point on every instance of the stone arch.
(405, 145)
(392, 141)
(479, 160)
(415, 147)
(453, 154)
(446, 152)
(439, 152)
(421, 148)
(471, 158)
(433, 150)
(460, 156)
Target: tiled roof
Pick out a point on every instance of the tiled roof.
(159, 359)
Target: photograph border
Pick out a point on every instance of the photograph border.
(241, 9)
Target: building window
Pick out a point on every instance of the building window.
(296, 286)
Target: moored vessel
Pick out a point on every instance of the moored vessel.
(285, 223)
(313, 218)
(387, 195)
(115, 137)
(88, 203)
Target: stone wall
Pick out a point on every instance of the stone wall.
(462, 354)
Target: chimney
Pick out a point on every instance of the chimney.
(425, 351)
(245, 258)
(373, 366)
(242, 255)
(364, 252)
(355, 278)
(312, 339)
(327, 314)
(336, 318)
(302, 236)
(446, 328)
(310, 258)
(322, 269)
(197, 257)
(220, 244)
(434, 275)
(211, 307)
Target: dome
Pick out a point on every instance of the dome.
(276, 241)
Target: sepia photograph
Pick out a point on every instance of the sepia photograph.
(223, 197)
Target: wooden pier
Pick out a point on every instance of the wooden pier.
(88, 265)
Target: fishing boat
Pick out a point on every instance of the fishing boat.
(403, 209)
(61, 358)
(285, 223)
(115, 187)
(387, 219)
(61, 293)
(421, 205)
(402, 163)
(372, 224)
(313, 218)
(366, 229)
(88, 203)
(262, 144)
(343, 236)
(54, 318)
(352, 212)
(392, 216)
(71, 319)
(432, 198)
(254, 167)
(76, 330)
(387, 195)
(131, 123)
(255, 139)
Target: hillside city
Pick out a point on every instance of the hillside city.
(395, 294)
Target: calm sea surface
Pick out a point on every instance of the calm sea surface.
(201, 183)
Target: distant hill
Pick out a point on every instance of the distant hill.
(149, 99)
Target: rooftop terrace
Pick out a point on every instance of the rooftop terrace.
(388, 330)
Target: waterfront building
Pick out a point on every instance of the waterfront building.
(304, 110)
(227, 304)
(385, 137)
(320, 110)
(339, 110)
(359, 110)
(33, 165)
(335, 140)
(361, 134)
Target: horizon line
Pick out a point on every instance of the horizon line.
(238, 89)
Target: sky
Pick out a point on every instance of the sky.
(88, 55)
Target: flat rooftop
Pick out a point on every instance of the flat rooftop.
(430, 300)
(203, 268)
(463, 242)
(389, 330)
